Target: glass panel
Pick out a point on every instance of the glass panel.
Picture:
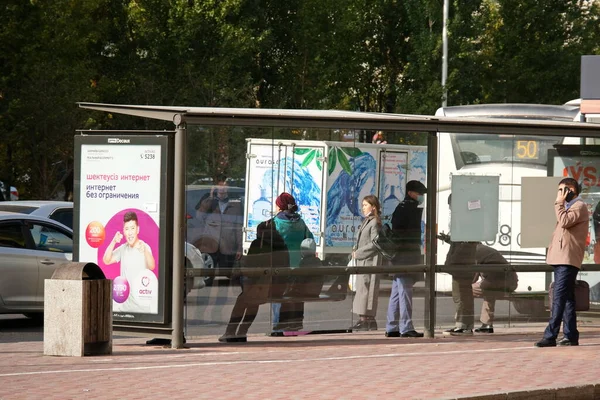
(517, 161)
(327, 174)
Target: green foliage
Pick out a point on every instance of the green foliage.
(369, 55)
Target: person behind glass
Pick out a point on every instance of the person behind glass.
(406, 225)
(307, 285)
(222, 227)
(462, 253)
(366, 254)
(267, 250)
(293, 229)
(491, 285)
(565, 254)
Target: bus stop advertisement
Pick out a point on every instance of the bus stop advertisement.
(582, 162)
(123, 221)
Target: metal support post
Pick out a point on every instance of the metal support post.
(430, 233)
(178, 233)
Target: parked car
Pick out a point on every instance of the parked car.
(31, 248)
(14, 193)
(62, 211)
(202, 234)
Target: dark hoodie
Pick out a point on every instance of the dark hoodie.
(406, 225)
(268, 250)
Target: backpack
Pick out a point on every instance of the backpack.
(385, 242)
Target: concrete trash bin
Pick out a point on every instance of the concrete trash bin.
(77, 311)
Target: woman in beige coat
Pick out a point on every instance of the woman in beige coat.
(366, 255)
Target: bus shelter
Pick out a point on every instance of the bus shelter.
(502, 174)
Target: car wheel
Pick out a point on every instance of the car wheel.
(208, 263)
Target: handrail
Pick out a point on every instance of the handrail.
(346, 270)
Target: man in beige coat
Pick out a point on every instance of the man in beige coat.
(565, 254)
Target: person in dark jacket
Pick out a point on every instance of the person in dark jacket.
(268, 250)
(406, 226)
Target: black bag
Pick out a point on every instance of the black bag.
(385, 242)
(582, 295)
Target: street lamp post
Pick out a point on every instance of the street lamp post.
(445, 54)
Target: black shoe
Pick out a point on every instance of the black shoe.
(566, 342)
(161, 342)
(546, 343)
(458, 332)
(485, 329)
(295, 327)
(392, 334)
(362, 325)
(232, 339)
(412, 334)
(365, 325)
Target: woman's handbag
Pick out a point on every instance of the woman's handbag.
(352, 277)
(385, 242)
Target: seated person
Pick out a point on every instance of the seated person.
(491, 285)
(267, 250)
(301, 286)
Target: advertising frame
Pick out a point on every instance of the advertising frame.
(154, 208)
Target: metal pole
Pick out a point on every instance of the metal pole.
(178, 233)
(430, 233)
(445, 54)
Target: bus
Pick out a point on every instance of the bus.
(509, 157)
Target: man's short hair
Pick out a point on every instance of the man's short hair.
(220, 178)
(130, 216)
(572, 183)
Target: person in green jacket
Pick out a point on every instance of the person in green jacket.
(293, 229)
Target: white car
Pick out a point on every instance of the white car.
(31, 248)
(14, 193)
(62, 211)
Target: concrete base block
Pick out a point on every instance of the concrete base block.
(77, 317)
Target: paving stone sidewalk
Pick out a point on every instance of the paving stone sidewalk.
(504, 365)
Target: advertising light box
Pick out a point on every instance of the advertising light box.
(120, 219)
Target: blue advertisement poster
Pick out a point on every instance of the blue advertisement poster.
(272, 170)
